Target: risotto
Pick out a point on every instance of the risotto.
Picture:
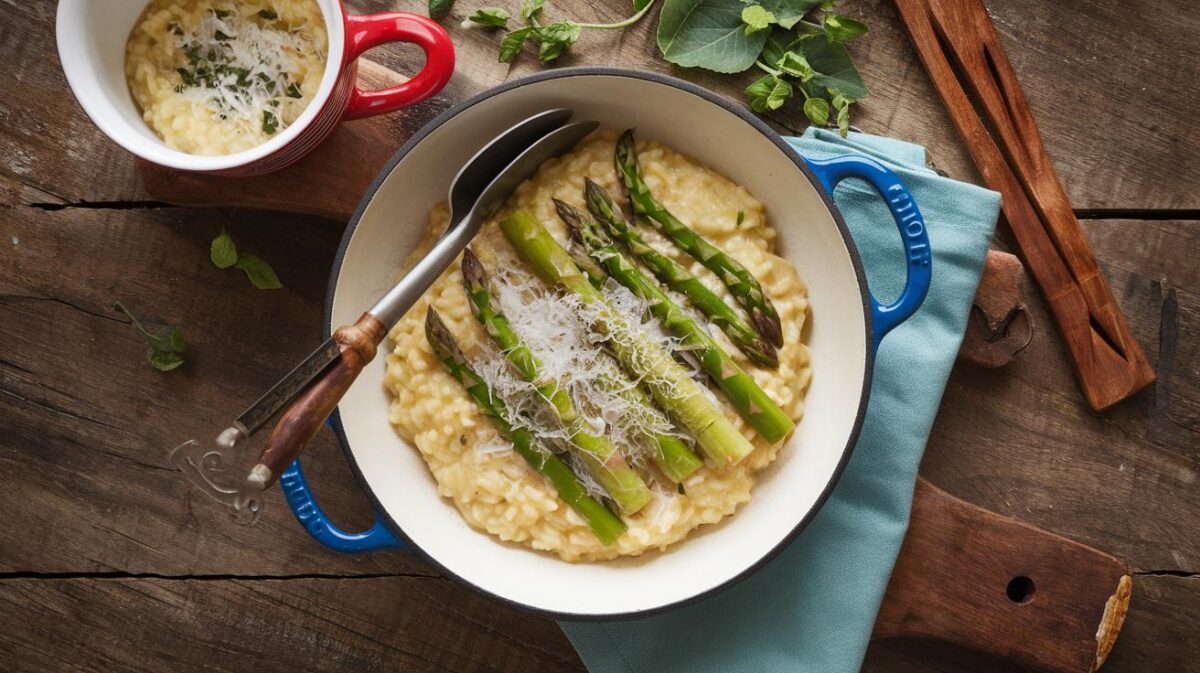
(491, 485)
(215, 77)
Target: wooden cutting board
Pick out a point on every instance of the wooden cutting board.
(964, 575)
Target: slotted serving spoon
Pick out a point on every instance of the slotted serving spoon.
(313, 388)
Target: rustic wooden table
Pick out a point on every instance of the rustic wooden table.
(111, 562)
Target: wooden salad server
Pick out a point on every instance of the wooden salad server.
(315, 386)
(960, 49)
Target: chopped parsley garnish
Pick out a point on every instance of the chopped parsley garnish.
(270, 123)
(293, 91)
(267, 15)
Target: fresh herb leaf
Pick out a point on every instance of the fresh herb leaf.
(639, 5)
(708, 34)
(741, 217)
(259, 272)
(842, 105)
(293, 91)
(796, 65)
(223, 251)
(789, 12)
(817, 111)
(756, 18)
(769, 93)
(512, 43)
(833, 67)
(439, 8)
(531, 10)
(842, 28)
(490, 17)
(267, 15)
(165, 346)
(270, 123)
(554, 39)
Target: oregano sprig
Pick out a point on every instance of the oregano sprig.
(224, 253)
(552, 39)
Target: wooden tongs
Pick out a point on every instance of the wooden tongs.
(961, 50)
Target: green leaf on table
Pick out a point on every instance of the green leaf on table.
(817, 111)
(165, 346)
(789, 12)
(796, 65)
(778, 44)
(708, 34)
(259, 272)
(490, 17)
(757, 18)
(223, 251)
(554, 39)
(531, 10)
(768, 93)
(439, 8)
(842, 28)
(842, 105)
(832, 67)
(639, 5)
(512, 43)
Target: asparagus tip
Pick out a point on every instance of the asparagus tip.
(472, 269)
(439, 335)
(570, 216)
(770, 329)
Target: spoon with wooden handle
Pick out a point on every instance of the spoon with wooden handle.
(316, 385)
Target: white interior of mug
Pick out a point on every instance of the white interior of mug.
(91, 38)
(787, 492)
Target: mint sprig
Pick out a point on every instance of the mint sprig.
(552, 39)
(224, 253)
(165, 347)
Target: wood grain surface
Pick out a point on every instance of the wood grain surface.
(113, 561)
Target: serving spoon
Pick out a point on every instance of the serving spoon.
(314, 387)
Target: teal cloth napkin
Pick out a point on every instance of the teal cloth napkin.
(812, 608)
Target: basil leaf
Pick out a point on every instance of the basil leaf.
(531, 9)
(817, 111)
(757, 18)
(165, 361)
(707, 34)
(223, 251)
(833, 67)
(439, 8)
(796, 65)
(512, 43)
(789, 12)
(259, 272)
(842, 28)
(768, 93)
(490, 17)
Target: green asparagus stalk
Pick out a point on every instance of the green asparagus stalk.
(674, 276)
(598, 455)
(744, 287)
(672, 456)
(754, 405)
(668, 383)
(606, 525)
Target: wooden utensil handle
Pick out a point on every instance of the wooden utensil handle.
(990, 583)
(300, 422)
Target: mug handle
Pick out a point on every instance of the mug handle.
(371, 30)
(300, 498)
(884, 318)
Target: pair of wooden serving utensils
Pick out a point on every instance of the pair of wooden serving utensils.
(960, 49)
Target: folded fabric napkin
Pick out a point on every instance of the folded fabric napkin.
(812, 608)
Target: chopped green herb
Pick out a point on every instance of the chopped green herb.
(490, 17)
(221, 13)
(439, 8)
(741, 217)
(223, 251)
(270, 124)
(681, 491)
(267, 15)
(259, 272)
(165, 346)
(221, 37)
(293, 91)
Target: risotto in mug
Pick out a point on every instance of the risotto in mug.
(497, 487)
(214, 77)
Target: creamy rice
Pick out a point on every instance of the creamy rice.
(216, 77)
(497, 491)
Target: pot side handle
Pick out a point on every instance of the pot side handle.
(831, 171)
(300, 499)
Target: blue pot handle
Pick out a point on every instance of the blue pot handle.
(912, 230)
(299, 497)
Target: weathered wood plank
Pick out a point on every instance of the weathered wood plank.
(363, 624)
(1020, 441)
(1130, 152)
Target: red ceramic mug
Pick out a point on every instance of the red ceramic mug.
(91, 45)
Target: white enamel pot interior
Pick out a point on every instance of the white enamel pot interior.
(388, 225)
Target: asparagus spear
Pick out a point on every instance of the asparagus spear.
(606, 525)
(759, 410)
(669, 384)
(599, 456)
(744, 287)
(674, 276)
